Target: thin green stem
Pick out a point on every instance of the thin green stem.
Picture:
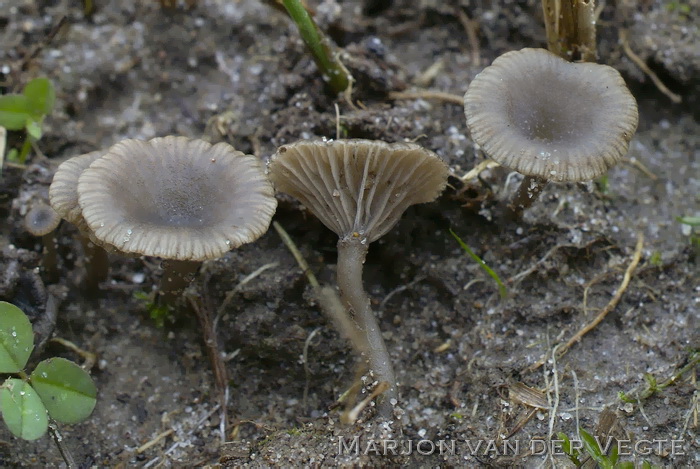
(24, 152)
(320, 47)
(502, 290)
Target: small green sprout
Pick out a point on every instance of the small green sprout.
(683, 9)
(320, 47)
(603, 184)
(568, 449)
(593, 449)
(690, 221)
(57, 388)
(656, 259)
(653, 386)
(590, 444)
(502, 290)
(159, 313)
(26, 111)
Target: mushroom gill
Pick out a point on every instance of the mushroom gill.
(359, 189)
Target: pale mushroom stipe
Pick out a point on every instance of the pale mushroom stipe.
(359, 189)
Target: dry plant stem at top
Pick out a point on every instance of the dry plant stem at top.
(570, 27)
(176, 277)
(351, 257)
(320, 47)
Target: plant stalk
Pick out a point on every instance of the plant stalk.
(320, 47)
(351, 257)
(570, 29)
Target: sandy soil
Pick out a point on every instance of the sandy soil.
(237, 71)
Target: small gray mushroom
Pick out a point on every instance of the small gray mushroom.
(63, 195)
(359, 189)
(182, 200)
(549, 119)
(42, 221)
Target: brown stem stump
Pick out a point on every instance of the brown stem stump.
(529, 190)
(176, 277)
(96, 265)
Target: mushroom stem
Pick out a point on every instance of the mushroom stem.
(351, 257)
(49, 262)
(527, 193)
(175, 279)
(96, 264)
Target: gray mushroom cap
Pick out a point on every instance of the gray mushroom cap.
(176, 198)
(358, 188)
(542, 116)
(63, 192)
(41, 220)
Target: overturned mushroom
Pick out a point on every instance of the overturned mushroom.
(183, 200)
(63, 195)
(42, 221)
(550, 119)
(359, 189)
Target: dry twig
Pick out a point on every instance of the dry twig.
(635, 163)
(562, 349)
(89, 357)
(647, 71)
(351, 416)
(154, 441)
(307, 370)
(476, 170)
(470, 27)
(63, 449)
(212, 347)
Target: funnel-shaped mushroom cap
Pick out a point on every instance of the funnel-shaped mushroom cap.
(41, 220)
(176, 198)
(542, 116)
(358, 187)
(63, 192)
